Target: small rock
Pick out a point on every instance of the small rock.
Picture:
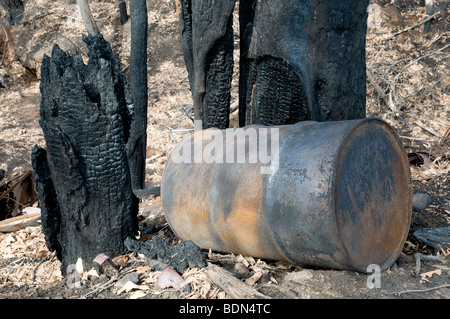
(240, 271)
(265, 278)
(133, 277)
(421, 201)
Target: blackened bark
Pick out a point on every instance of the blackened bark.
(299, 60)
(302, 60)
(207, 38)
(84, 180)
(138, 82)
(123, 12)
(50, 210)
(186, 39)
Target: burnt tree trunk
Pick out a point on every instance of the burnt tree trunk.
(302, 60)
(83, 178)
(207, 38)
(299, 60)
(138, 81)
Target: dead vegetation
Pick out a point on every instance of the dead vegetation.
(407, 85)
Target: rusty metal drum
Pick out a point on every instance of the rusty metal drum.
(333, 194)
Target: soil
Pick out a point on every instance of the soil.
(407, 85)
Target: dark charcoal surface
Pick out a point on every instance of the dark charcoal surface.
(83, 179)
(180, 257)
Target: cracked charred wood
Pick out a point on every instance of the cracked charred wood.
(138, 81)
(299, 60)
(207, 38)
(83, 178)
(50, 210)
(302, 60)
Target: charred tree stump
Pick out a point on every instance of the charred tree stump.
(207, 38)
(83, 178)
(299, 60)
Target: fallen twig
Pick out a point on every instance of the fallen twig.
(235, 288)
(234, 106)
(420, 58)
(429, 130)
(445, 135)
(417, 139)
(109, 283)
(419, 257)
(394, 83)
(417, 290)
(187, 114)
(411, 27)
(33, 272)
(102, 287)
(377, 88)
(156, 156)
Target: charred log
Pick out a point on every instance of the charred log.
(83, 178)
(180, 257)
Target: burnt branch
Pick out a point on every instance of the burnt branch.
(138, 81)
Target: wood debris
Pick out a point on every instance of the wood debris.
(25, 259)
